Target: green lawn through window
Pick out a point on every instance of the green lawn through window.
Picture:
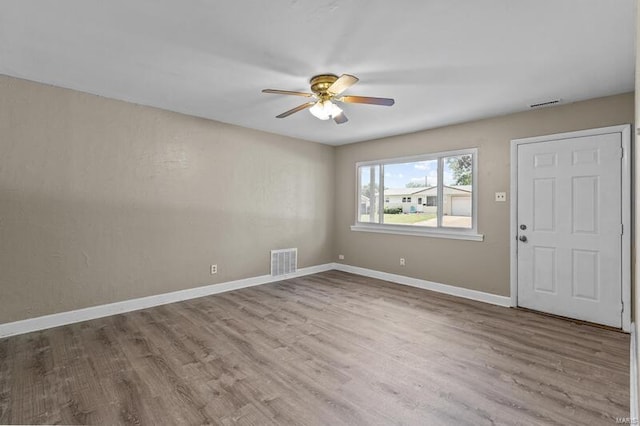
(403, 219)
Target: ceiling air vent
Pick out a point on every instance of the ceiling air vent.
(284, 261)
(545, 103)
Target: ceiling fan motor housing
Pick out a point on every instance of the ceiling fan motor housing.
(321, 83)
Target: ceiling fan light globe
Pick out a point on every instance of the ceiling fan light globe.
(325, 110)
(320, 110)
(333, 109)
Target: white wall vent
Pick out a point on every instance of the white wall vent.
(284, 261)
(545, 103)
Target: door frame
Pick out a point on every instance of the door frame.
(625, 132)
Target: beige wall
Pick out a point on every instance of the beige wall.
(102, 201)
(483, 265)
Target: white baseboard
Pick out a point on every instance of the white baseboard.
(480, 296)
(93, 312)
(633, 375)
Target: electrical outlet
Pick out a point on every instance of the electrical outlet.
(341, 256)
(214, 269)
(402, 262)
(501, 196)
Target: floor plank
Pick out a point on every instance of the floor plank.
(329, 348)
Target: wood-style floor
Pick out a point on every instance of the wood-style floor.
(326, 349)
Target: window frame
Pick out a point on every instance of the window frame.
(437, 232)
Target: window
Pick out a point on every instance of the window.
(444, 181)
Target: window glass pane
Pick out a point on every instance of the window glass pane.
(408, 188)
(457, 203)
(369, 196)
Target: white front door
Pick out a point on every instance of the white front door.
(569, 219)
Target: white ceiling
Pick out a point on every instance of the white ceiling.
(444, 61)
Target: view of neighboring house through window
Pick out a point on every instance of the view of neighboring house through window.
(430, 191)
(457, 191)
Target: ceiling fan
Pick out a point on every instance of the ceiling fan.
(326, 90)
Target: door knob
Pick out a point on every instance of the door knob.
(523, 238)
(523, 227)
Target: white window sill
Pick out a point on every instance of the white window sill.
(418, 231)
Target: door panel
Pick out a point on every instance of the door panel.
(544, 269)
(585, 191)
(544, 204)
(569, 200)
(586, 279)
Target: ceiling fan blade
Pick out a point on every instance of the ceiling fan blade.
(296, 109)
(340, 118)
(367, 100)
(343, 83)
(287, 92)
